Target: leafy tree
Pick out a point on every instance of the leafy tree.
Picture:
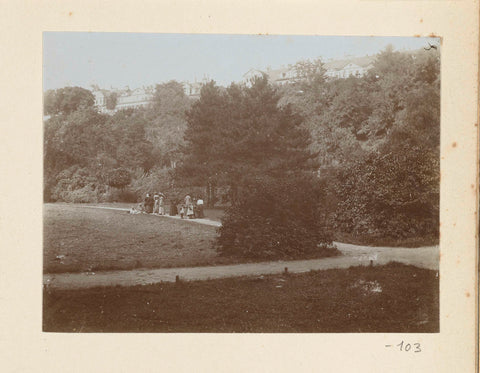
(132, 150)
(166, 121)
(76, 138)
(308, 94)
(240, 132)
(67, 100)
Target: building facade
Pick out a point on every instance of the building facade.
(139, 97)
(192, 90)
(281, 76)
(356, 66)
(121, 98)
(335, 69)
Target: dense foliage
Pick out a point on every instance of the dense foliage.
(390, 196)
(85, 152)
(377, 138)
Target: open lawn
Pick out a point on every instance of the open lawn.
(82, 239)
(389, 298)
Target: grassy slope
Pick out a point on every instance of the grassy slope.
(323, 301)
(92, 239)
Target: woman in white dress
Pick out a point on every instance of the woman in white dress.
(161, 208)
(189, 206)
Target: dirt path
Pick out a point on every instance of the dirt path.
(199, 221)
(426, 257)
(353, 255)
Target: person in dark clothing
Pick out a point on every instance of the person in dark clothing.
(173, 207)
(200, 207)
(149, 202)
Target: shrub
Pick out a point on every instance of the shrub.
(277, 219)
(390, 196)
(87, 194)
(84, 195)
(76, 185)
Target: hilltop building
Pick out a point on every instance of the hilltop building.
(110, 101)
(281, 76)
(335, 69)
(121, 98)
(192, 90)
(140, 97)
(356, 66)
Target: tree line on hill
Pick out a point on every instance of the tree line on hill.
(354, 158)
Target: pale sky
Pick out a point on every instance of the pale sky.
(135, 59)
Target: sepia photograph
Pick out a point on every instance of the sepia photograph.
(226, 183)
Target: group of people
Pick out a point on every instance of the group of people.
(154, 204)
(190, 208)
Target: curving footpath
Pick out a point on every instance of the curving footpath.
(353, 255)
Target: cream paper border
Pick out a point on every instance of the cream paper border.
(24, 348)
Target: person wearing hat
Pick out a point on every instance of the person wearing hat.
(156, 206)
(161, 208)
(189, 207)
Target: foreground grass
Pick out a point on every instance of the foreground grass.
(391, 298)
(80, 239)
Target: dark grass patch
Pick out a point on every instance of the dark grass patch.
(391, 298)
(389, 242)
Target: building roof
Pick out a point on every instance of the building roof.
(288, 73)
(359, 61)
(279, 74)
(274, 75)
